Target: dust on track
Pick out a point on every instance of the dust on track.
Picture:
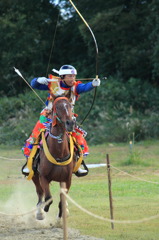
(26, 227)
(20, 228)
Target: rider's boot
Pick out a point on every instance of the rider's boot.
(25, 169)
(80, 171)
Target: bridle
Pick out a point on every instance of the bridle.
(58, 137)
(55, 119)
(55, 116)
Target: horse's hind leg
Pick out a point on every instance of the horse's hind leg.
(46, 189)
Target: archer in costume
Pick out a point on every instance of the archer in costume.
(64, 85)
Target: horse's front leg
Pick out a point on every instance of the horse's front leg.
(40, 212)
(46, 189)
(39, 189)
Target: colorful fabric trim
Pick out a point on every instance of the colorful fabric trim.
(44, 123)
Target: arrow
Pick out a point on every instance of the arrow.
(79, 79)
(19, 73)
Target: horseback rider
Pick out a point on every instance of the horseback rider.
(64, 85)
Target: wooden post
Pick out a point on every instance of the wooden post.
(110, 191)
(64, 213)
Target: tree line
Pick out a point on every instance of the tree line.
(126, 32)
(36, 36)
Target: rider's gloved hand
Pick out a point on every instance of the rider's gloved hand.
(42, 80)
(96, 82)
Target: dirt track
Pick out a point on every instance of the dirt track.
(21, 228)
(26, 227)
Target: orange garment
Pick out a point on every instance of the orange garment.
(78, 135)
(42, 123)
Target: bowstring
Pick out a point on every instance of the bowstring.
(53, 44)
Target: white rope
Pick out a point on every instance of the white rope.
(133, 175)
(88, 212)
(107, 219)
(11, 159)
(29, 212)
(93, 166)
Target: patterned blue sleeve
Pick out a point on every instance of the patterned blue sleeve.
(36, 85)
(84, 87)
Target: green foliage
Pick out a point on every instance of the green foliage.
(19, 117)
(134, 156)
(127, 36)
(120, 110)
(26, 37)
(126, 33)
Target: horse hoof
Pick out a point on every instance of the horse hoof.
(46, 208)
(58, 223)
(40, 216)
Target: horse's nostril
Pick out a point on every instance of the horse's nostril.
(68, 122)
(70, 125)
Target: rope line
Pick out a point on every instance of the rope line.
(11, 159)
(133, 176)
(63, 191)
(140, 179)
(17, 215)
(107, 219)
(43, 204)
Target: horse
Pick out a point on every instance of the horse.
(59, 147)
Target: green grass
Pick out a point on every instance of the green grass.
(132, 199)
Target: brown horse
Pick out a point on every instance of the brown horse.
(59, 147)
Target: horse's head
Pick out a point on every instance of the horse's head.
(62, 114)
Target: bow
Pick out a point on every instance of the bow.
(95, 41)
(96, 46)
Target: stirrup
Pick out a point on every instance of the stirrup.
(25, 170)
(82, 172)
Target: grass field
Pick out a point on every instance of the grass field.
(133, 199)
